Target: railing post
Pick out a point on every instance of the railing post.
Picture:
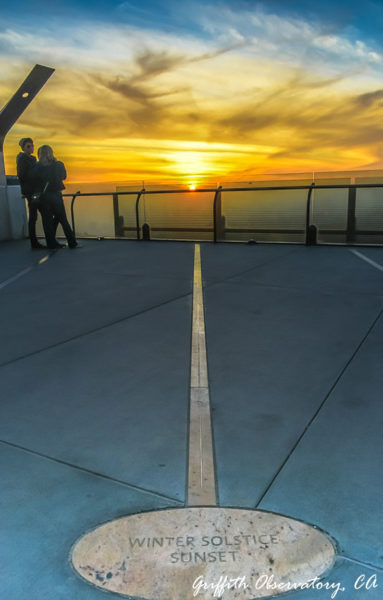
(137, 213)
(217, 207)
(308, 212)
(351, 218)
(146, 232)
(72, 210)
(118, 220)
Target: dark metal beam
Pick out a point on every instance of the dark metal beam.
(351, 216)
(18, 103)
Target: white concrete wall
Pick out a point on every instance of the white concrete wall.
(4, 214)
(13, 214)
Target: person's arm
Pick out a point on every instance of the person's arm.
(60, 170)
(22, 168)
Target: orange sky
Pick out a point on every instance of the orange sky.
(125, 107)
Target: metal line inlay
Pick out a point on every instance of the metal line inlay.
(163, 553)
(201, 476)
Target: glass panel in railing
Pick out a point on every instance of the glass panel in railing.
(99, 211)
(329, 210)
(179, 215)
(369, 212)
(264, 215)
(125, 210)
(93, 216)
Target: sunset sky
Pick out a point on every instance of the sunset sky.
(165, 90)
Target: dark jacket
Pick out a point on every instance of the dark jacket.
(54, 173)
(25, 163)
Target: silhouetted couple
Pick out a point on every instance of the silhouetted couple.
(42, 184)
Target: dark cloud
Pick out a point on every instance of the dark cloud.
(303, 115)
(136, 92)
(129, 90)
(144, 108)
(282, 104)
(147, 65)
(366, 100)
(138, 87)
(54, 118)
(152, 64)
(308, 123)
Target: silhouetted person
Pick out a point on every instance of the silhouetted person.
(25, 162)
(52, 172)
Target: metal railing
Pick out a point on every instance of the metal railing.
(310, 229)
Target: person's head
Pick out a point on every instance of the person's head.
(26, 144)
(45, 154)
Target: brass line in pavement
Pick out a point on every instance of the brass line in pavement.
(201, 489)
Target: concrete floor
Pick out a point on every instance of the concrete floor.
(95, 368)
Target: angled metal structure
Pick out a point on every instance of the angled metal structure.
(18, 103)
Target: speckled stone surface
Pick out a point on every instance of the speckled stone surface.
(179, 554)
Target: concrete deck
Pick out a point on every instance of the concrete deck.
(95, 369)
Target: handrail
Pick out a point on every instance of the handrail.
(72, 211)
(217, 191)
(308, 211)
(216, 196)
(138, 213)
(236, 189)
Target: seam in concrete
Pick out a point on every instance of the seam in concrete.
(290, 288)
(67, 269)
(368, 260)
(20, 274)
(306, 290)
(267, 262)
(136, 488)
(313, 418)
(3, 284)
(360, 562)
(84, 334)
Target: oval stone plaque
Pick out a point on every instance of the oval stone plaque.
(184, 553)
